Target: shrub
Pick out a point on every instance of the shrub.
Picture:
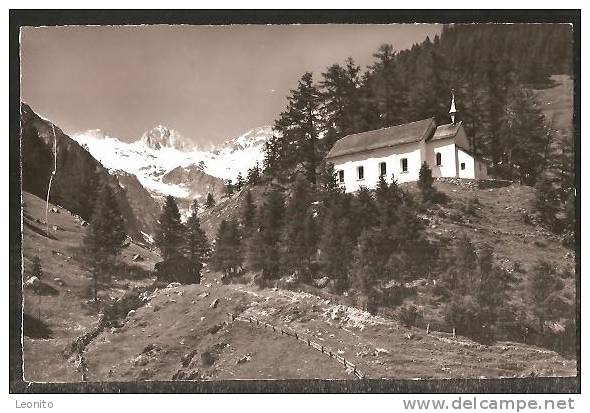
(409, 315)
(472, 206)
(456, 216)
(207, 358)
(518, 268)
(465, 315)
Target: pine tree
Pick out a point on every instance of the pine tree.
(492, 287)
(196, 243)
(239, 182)
(248, 214)
(229, 188)
(36, 270)
(227, 255)
(525, 138)
(170, 231)
(336, 245)
(547, 201)
(327, 179)
(370, 259)
(544, 285)
(570, 212)
(409, 252)
(106, 234)
(298, 128)
(210, 202)
(105, 237)
(340, 101)
(264, 247)
(299, 234)
(253, 176)
(365, 211)
(386, 89)
(425, 180)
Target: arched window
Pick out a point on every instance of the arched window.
(438, 159)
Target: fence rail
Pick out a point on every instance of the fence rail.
(305, 339)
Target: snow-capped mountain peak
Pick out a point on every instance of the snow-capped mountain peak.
(96, 134)
(163, 137)
(256, 137)
(162, 150)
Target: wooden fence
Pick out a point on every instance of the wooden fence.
(307, 340)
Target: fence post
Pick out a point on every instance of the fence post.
(453, 332)
(427, 328)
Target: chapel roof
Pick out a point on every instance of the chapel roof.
(383, 138)
(425, 129)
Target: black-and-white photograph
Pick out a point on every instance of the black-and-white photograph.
(298, 201)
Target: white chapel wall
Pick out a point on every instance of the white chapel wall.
(370, 161)
(446, 148)
(465, 158)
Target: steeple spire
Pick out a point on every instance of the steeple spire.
(452, 110)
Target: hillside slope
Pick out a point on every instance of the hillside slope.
(157, 344)
(78, 172)
(183, 332)
(65, 307)
(557, 103)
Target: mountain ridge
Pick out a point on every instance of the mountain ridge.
(75, 182)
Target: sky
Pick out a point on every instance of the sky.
(210, 83)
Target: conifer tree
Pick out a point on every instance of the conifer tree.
(253, 176)
(336, 246)
(105, 237)
(299, 234)
(525, 138)
(365, 211)
(370, 260)
(425, 181)
(409, 251)
(248, 214)
(196, 243)
(327, 179)
(37, 271)
(264, 247)
(210, 201)
(385, 89)
(298, 128)
(547, 201)
(544, 285)
(239, 181)
(229, 188)
(227, 255)
(170, 231)
(340, 101)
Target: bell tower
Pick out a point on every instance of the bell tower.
(453, 110)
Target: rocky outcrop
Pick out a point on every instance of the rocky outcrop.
(164, 137)
(78, 173)
(143, 205)
(195, 180)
